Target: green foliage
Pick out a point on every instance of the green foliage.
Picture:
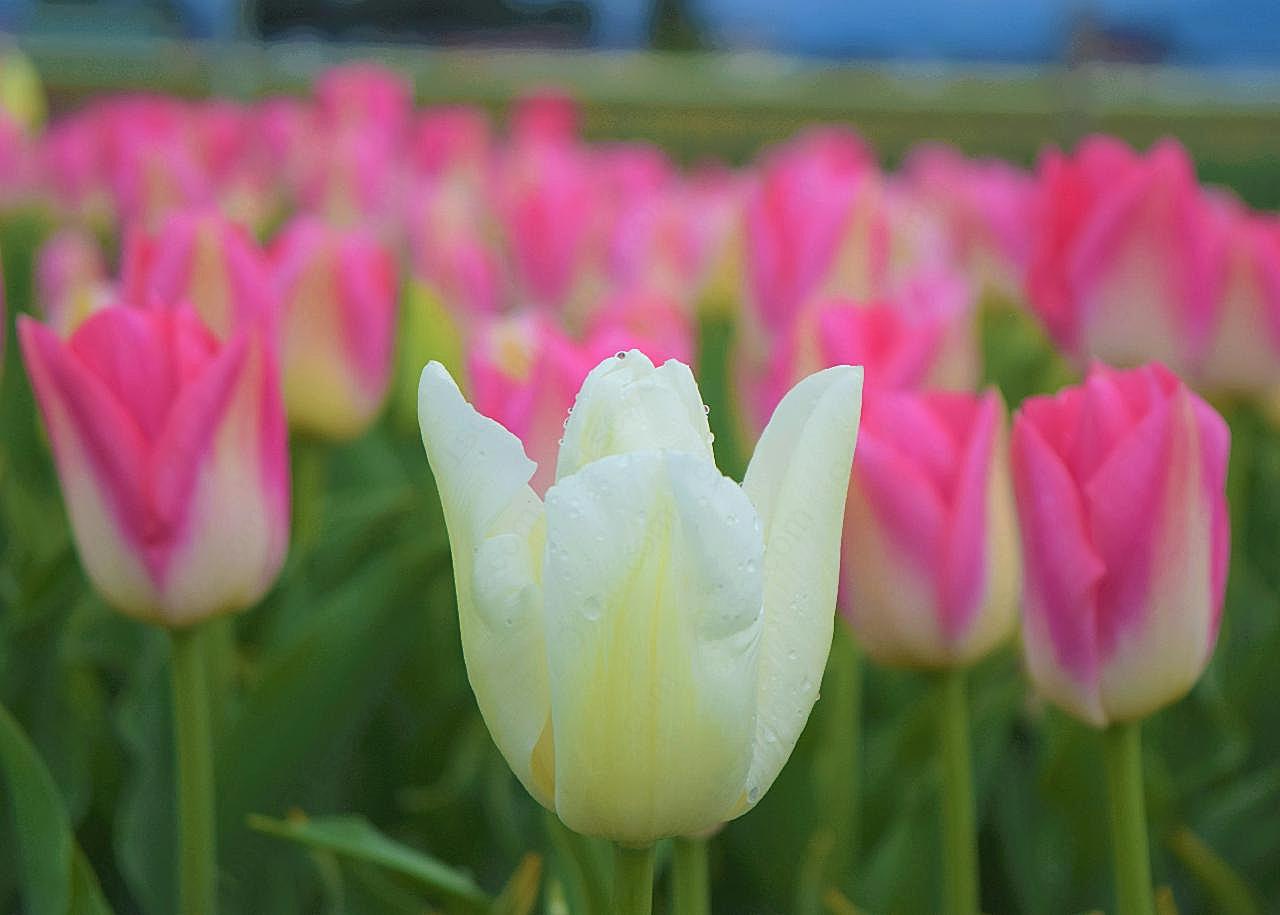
(344, 695)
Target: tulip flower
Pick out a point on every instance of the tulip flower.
(200, 258)
(171, 451)
(813, 226)
(337, 297)
(1238, 347)
(71, 279)
(523, 372)
(985, 207)
(646, 644)
(921, 336)
(549, 206)
(449, 140)
(930, 574)
(1122, 266)
(170, 446)
(1120, 489)
(544, 116)
(364, 97)
(1120, 492)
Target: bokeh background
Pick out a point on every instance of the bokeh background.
(345, 692)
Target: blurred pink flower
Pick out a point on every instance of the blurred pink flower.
(71, 279)
(171, 450)
(337, 292)
(1122, 265)
(200, 258)
(1125, 540)
(930, 560)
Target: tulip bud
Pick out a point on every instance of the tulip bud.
(1122, 266)
(1125, 540)
(202, 259)
(364, 97)
(549, 207)
(646, 646)
(930, 572)
(921, 336)
(71, 280)
(814, 226)
(170, 447)
(524, 373)
(337, 299)
(1239, 347)
(985, 206)
(451, 141)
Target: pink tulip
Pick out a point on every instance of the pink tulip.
(171, 451)
(923, 336)
(1125, 540)
(364, 97)
(544, 116)
(154, 174)
(448, 140)
(930, 572)
(337, 293)
(524, 373)
(651, 322)
(200, 258)
(985, 206)
(813, 226)
(1238, 349)
(71, 279)
(550, 211)
(1122, 264)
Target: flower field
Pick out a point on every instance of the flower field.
(415, 508)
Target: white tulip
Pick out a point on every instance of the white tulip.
(646, 646)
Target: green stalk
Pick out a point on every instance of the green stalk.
(193, 744)
(1123, 750)
(632, 880)
(690, 888)
(959, 840)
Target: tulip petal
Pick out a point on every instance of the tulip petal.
(653, 596)
(101, 456)
(221, 477)
(1062, 574)
(496, 528)
(626, 404)
(1153, 520)
(798, 480)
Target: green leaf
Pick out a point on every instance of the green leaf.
(55, 877)
(356, 838)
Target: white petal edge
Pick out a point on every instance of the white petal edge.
(496, 532)
(798, 480)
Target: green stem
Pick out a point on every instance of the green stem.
(690, 889)
(1123, 749)
(959, 846)
(632, 880)
(197, 840)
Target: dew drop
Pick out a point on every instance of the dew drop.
(591, 607)
(620, 354)
(706, 409)
(753, 794)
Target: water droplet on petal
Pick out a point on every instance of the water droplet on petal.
(706, 409)
(620, 354)
(753, 794)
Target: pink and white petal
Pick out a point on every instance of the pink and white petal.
(1157, 662)
(101, 461)
(1061, 576)
(237, 520)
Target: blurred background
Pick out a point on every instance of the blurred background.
(993, 77)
